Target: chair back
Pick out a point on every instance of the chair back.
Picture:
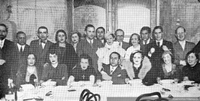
(141, 97)
(86, 95)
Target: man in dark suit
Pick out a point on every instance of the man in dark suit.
(181, 47)
(119, 33)
(155, 51)
(6, 58)
(40, 47)
(100, 35)
(89, 45)
(21, 51)
(145, 34)
(113, 71)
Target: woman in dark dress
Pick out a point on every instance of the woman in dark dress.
(83, 71)
(192, 70)
(66, 52)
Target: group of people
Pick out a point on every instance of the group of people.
(96, 57)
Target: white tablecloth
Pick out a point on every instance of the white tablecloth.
(61, 93)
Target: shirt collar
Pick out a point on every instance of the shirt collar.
(88, 40)
(148, 40)
(161, 42)
(2, 41)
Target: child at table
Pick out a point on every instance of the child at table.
(168, 69)
(28, 73)
(53, 70)
(83, 71)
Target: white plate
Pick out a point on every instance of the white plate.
(49, 83)
(167, 81)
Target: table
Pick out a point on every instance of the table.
(110, 92)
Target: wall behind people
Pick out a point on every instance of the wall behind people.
(29, 15)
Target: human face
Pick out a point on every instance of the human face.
(90, 32)
(3, 32)
(137, 58)
(110, 39)
(21, 39)
(53, 58)
(167, 59)
(192, 59)
(31, 60)
(114, 60)
(145, 35)
(84, 64)
(100, 34)
(61, 37)
(119, 36)
(181, 34)
(134, 40)
(42, 34)
(158, 34)
(75, 38)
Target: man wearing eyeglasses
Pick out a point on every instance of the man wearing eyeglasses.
(40, 47)
(145, 34)
(6, 59)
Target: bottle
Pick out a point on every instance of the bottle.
(12, 93)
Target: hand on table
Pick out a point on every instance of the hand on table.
(185, 78)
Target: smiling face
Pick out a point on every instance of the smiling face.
(137, 58)
(100, 34)
(167, 58)
(114, 60)
(31, 60)
(75, 38)
(158, 34)
(53, 58)
(61, 37)
(90, 32)
(181, 34)
(84, 64)
(192, 59)
(134, 40)
(109, 39)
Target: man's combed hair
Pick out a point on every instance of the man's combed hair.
(43, 27)
(89, 25)
(6, 28)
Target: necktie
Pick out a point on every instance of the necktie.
(21, 50)
(158, 44)
(91, 43)
(112, 70)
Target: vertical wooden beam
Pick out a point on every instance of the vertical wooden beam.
(157, 12)
(70, 16)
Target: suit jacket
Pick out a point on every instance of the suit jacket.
(19, 59)
(84, 47)
(179, 53)
(144, 47)
(41, 54)
(196, 49)
(125, 45)
(118, 76)
(156, 58)
(69, 57)
(5, 70)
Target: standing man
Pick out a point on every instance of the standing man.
(40, 47)
(6, 58)
(100, 34)
(21, 51)
(181, 47)
(119, 33)
(89, 45)
(155, 51)
(145, 34)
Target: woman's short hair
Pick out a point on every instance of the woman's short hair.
(132, 55)
(190, 52)
(171, 55)
(86, 56)
(75, 32)
(56, 36)
(138, 36)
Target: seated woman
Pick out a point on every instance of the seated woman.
(138, 66)
(134, 43)
(169, 69)
(192, 70)
(54, 70)
(28, 73)
(110, 46)
(83, 71)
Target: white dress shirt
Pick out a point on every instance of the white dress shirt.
(20, 46)
(112, 69)
(161, 42)
(182, 43)
(2, 43)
